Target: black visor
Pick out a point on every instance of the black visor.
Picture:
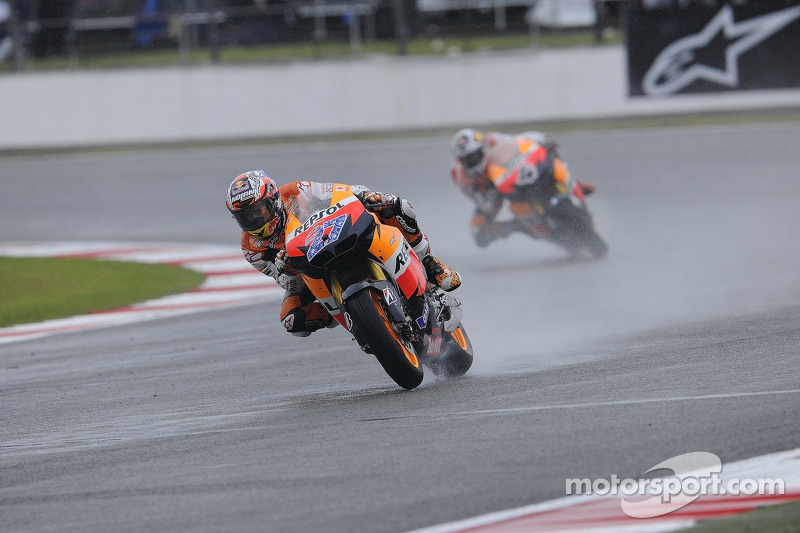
(473, 159)
(255, 216)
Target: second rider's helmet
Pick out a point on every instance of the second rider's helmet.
(469, 147)
(255, 203)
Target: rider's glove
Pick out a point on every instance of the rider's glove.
(280, 261)
(277, 267)
(384, 204)
(288, 277)
(271, 270)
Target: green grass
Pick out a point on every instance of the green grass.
(33, 289)
(779, 519)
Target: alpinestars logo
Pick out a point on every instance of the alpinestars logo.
(675, 67)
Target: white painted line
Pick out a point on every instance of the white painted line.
(600, 514)
(230, 281)
(635, 401)
(233, 280)
(220, 267)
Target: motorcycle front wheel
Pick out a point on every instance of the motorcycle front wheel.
(378, 333)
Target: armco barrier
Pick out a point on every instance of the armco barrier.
(370, 94)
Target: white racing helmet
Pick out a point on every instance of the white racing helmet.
(469, 147)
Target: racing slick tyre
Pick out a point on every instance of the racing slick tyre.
(575, 230)
(456, 356)
(376, 333)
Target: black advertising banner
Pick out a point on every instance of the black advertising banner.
(700, 49)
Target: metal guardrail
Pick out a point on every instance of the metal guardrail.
(184, 20)
(319, 10)
(357, 13)
(497, 6)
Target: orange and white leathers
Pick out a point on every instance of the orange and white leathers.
(300, 312)
(502, 179)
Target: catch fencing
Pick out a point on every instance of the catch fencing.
(90, 28)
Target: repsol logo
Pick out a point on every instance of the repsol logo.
(315, 217)
(402, 257)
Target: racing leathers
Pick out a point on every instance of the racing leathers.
(300, 313)
(517, 168)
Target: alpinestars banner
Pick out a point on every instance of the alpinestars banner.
(729, 47)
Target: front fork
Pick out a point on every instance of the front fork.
(415, 317)
(407, 314)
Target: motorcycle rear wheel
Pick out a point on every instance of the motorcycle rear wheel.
(456, 357)
(378, 333)
(575, 230)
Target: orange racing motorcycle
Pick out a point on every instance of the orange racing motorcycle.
(549, 205)
(371, 281)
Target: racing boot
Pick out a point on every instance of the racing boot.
(441, 274)
(586, 188)
(301, 321)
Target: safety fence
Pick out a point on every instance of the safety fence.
(77, 29)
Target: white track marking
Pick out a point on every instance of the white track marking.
(596, 514)
(511, 410)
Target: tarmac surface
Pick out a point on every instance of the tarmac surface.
(684, 339)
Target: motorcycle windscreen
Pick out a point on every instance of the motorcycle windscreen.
(328, 233)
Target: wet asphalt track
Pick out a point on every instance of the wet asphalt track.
(686, 338)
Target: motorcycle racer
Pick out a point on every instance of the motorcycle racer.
(260, 208)
(495, 167)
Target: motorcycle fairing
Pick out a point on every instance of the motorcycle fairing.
(332, 221)
(520, 171)
(391, 250)
(322, 292)
(387, 291)
(319, 232)
(520, 183)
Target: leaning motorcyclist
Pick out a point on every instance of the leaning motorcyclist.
(495, 167)
(259, 207)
